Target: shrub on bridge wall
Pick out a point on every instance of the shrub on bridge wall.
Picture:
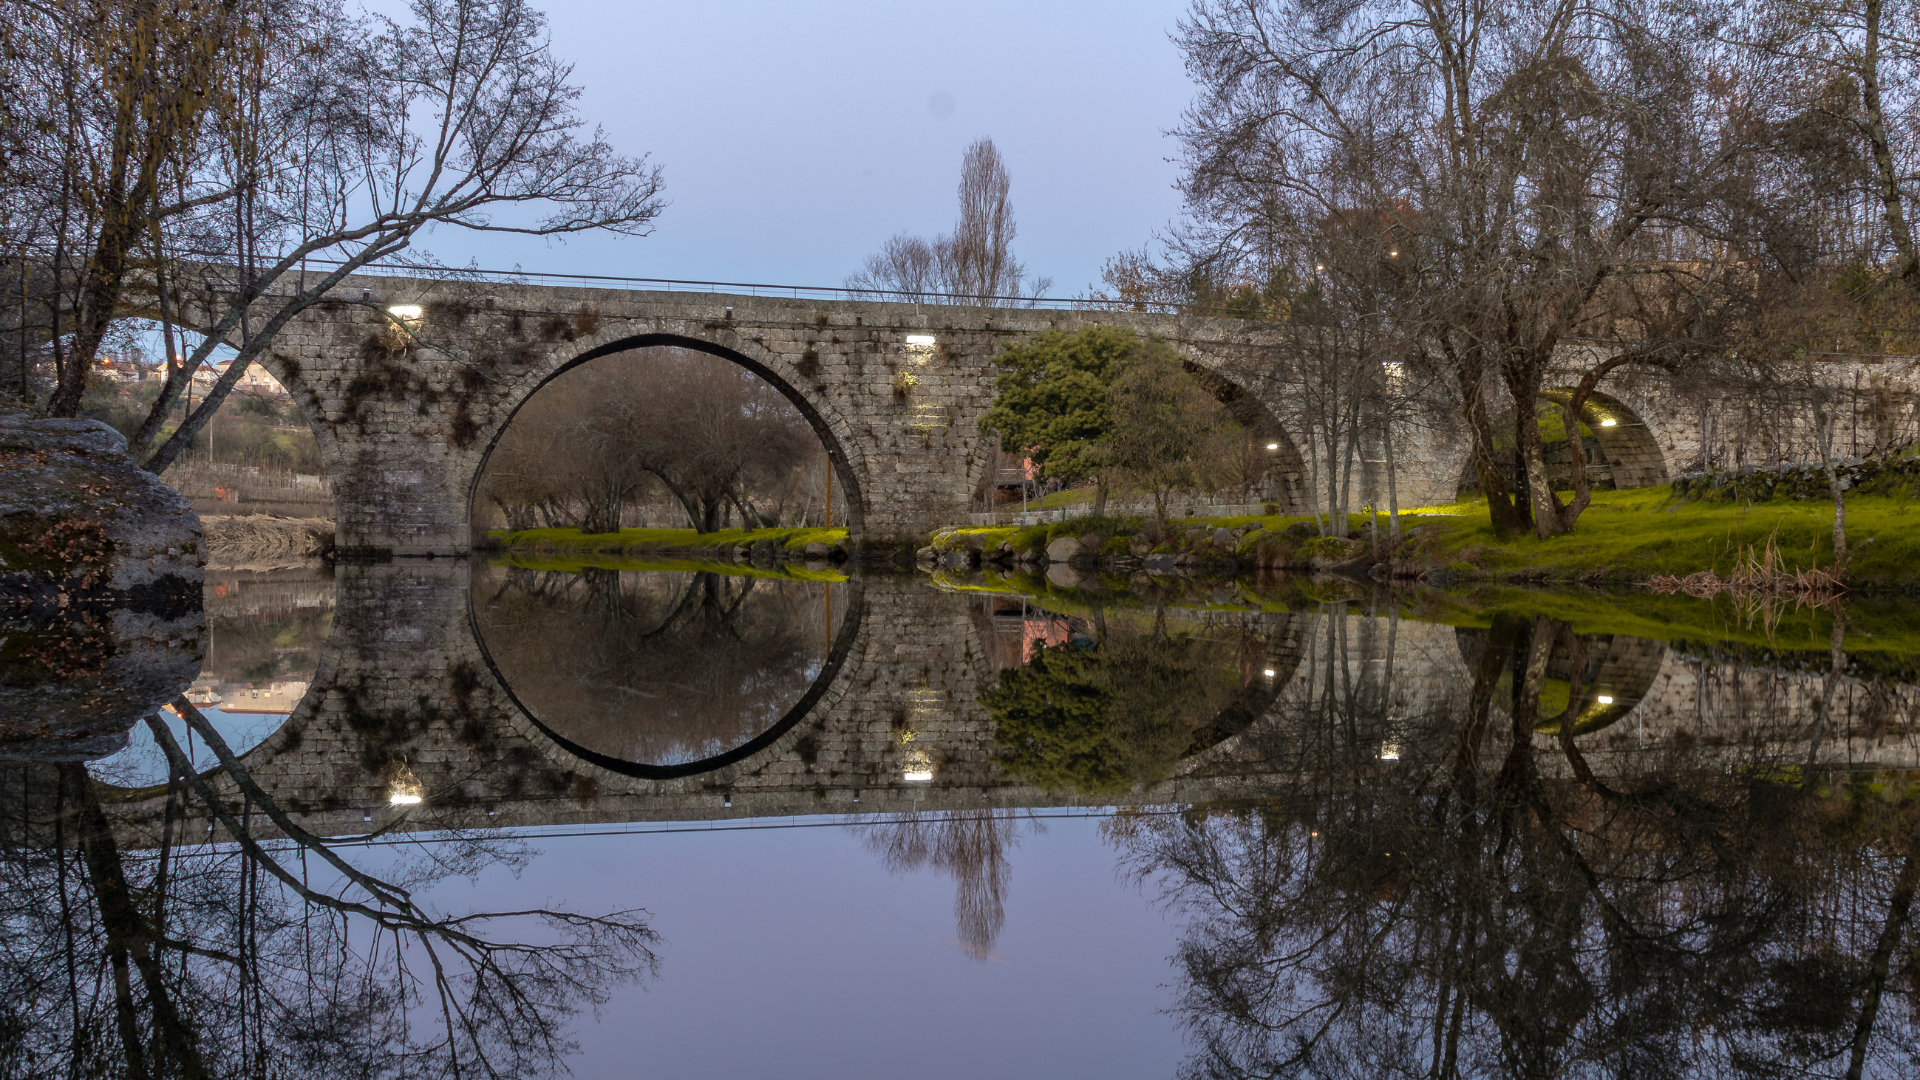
(1897, 478)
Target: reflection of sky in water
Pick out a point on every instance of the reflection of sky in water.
(143, 763)
(794, 953)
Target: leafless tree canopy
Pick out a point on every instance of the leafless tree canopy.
(262, 950)
(221, 164)
(1485, 190)
(609, 438)
(974, 264)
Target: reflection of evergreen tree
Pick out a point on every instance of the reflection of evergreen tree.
(1103, 718)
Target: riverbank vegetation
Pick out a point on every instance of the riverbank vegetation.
(1626, 539)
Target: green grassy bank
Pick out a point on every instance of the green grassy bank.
(1624, 537)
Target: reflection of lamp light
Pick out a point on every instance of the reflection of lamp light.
(1389, 751)
(1604, 699)
(1608, 423)
(916, 767)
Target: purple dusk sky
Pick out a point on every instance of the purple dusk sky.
(798, 137)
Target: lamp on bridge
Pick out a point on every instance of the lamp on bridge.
(405, 789)
(406, 313)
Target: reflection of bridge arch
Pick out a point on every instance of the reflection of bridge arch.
(1616, 673)
(567, 753)
(849, 464)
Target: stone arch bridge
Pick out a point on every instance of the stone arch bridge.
(895, 390)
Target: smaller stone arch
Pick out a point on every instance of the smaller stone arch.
(1284, 478)
(1622, 450)
(1628, 443)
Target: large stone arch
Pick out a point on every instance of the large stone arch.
(851, 467)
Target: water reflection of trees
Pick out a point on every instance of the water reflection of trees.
(653, 667)
(271, 952)
(1445, 888)
(1122, 702)
(969, 846)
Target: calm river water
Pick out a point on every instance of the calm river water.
(699, 821)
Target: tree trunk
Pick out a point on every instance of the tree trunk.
(1393, 490)
(1545, 508)
(1886, 169)
(129, 937)
(1505, 512)
(1823, 437)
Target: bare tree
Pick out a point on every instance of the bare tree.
(270, 951)
(1489, 176)
(718, 439)
(1851, 68)
(246, 157)
(974, 264)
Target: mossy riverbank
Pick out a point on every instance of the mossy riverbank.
(1624, 538)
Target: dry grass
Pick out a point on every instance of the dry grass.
(256, 538)
(1761, 584)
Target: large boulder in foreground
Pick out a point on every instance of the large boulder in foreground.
(77, 516)
(100, 576)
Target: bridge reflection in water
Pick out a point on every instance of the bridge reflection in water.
(1363, 817)
(514, 698)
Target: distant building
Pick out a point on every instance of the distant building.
(121, 371)
(276, 697)
(255, 378)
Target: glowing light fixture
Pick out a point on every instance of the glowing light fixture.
(1604, 699)
(917, 777)
(921, 341)
(1393, 254)
(1268, 673)
(1273, 446)
(1609, 423)
(405, 312)
(1389, 751)
(405, 790)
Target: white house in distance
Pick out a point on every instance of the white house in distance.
(255, 379)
